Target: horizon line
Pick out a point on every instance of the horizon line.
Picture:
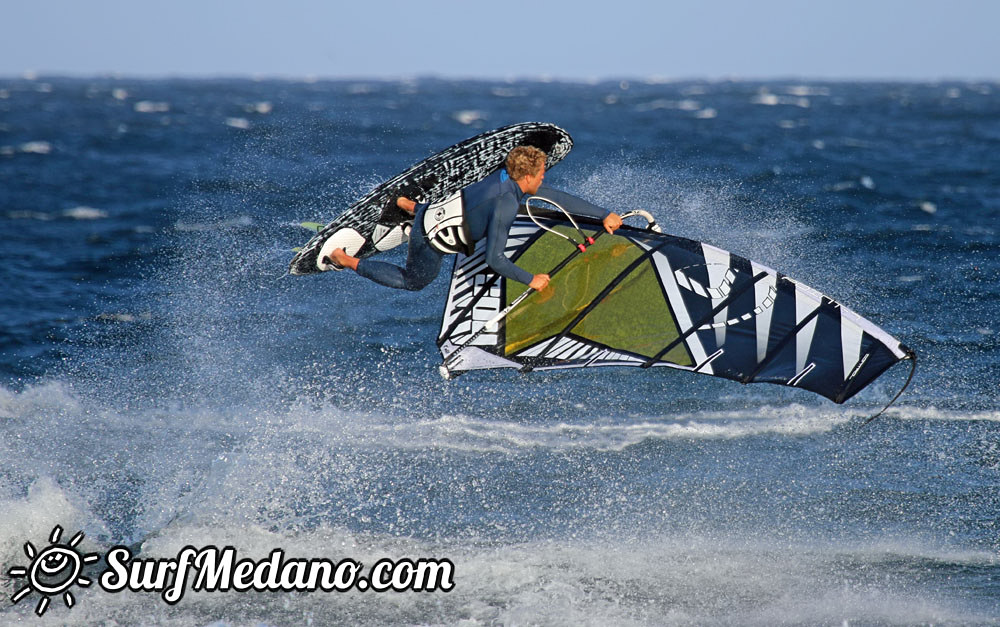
(36, 75)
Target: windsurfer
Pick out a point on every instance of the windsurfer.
(490, 207)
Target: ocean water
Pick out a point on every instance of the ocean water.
(163, 384)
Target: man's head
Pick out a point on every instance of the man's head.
(526, 165)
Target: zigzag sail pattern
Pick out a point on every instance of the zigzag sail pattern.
(646, 299)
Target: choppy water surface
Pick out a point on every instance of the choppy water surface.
(161, 384)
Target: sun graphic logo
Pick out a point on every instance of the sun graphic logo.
(53, 571)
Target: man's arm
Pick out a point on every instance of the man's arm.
(496, 241)
(571, 203)
(580, 207)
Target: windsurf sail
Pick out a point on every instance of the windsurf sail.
(646, 299)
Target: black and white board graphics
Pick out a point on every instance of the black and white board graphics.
(374, 224)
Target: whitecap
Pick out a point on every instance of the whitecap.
(149, 106)
(471, 434)
(85, 213)
(806, 90)
(909, 412)
(769, 99)
(240, 123)
(46, 505)
(36, 147)
(765, 98)
(468, 116)
(262, 108)
(928, 207)
(707, 114)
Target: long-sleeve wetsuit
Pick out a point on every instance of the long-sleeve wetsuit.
(490, 208)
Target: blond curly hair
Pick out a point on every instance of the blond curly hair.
(524, 161)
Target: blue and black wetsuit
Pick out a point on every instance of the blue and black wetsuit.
(490, 208)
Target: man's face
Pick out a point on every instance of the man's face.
(534, 181)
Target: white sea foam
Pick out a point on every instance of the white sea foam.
(942, 414)
(633, 579)
(468, 116)
(484, 435)
(36, 147)
(85, 213)
(261, 108)
(259, 479)
(765, 97)
(150, 106)
(807, 90)
(240, 123)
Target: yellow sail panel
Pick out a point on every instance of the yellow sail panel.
(632, 317)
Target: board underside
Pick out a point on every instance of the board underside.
(375, 219)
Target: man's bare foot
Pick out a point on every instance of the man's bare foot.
(406, 204)
(342, 259)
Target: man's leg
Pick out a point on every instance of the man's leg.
(423, 262)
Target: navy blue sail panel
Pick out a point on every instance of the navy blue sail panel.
(653, 300)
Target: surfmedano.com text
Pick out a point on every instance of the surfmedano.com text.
(211, 569)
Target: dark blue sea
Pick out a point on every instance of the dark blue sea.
(163, 383)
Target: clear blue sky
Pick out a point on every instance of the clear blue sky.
(567, 39)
